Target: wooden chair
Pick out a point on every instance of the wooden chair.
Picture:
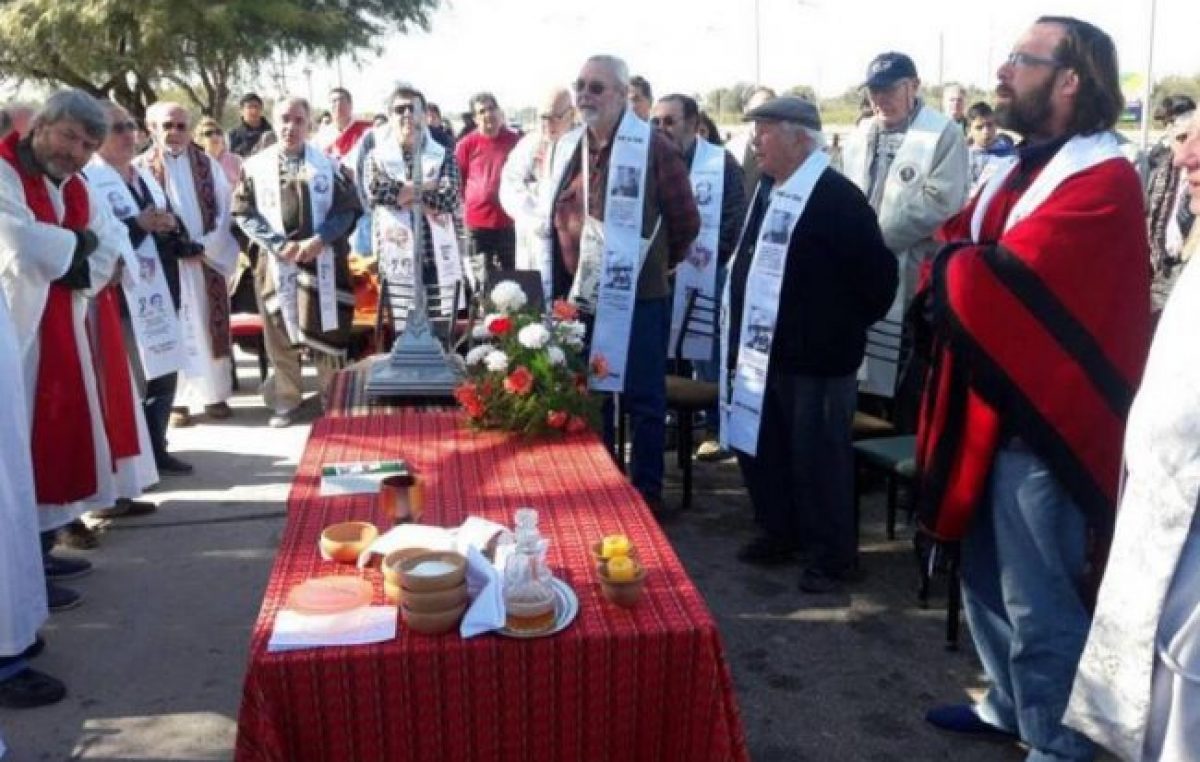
(685, 395)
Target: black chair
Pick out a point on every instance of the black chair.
(530, 282)
(685, 395)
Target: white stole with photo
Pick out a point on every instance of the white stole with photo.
(698, 270)
(318, 174)
(152, 315)
(611, 253)
(743, 396)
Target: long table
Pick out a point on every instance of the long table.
(648, 683)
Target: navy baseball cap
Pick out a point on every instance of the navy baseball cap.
(887, 69)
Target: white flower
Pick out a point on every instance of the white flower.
(556, 355)
(496, 361)
(477, 354)
(572, 332)
(480, 331)
(533, 336)
(508, 296)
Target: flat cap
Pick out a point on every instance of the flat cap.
(888, 68)
(787, 108)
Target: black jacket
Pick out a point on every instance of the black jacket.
(839, 279)
(244, 140)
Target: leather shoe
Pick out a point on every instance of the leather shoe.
(59, 598)
(126, 507)
(180, 418)
(220, 411)
(77, 536)
(710, 451)
(962, 719)
(61, 568)
(765, 550)
(29, 688)
(169, 464)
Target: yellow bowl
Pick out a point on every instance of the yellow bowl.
(435, 623)
(346, 541)
(624, 594)
(415, 577)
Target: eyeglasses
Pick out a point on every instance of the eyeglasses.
(666, 121)
(594, 87)
(174, 126)
(400, 109)
(120, 128)
(212, 133)
(1019, 58)
(552, 116)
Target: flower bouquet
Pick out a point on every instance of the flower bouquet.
(527, 373)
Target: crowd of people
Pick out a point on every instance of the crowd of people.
(990, 295)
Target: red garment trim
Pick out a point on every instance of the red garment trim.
(112, 376)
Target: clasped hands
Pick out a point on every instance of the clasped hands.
(301, 252)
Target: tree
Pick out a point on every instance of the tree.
(802, 91)
(129, 50)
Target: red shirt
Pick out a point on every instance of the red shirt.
(480, 161)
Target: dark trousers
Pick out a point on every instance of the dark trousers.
(156, 406)
(496, 247)
(801, 483)
(645, 396)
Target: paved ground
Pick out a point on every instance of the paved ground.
(154, 659)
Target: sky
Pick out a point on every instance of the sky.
(519, 49)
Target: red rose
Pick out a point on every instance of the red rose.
(556, 419)
(466, 394)
(519, 382)
(498, 326)
(576, 424)
(564, 310)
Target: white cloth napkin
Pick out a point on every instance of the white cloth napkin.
(486, 612)
(408, 536)
(367, 624)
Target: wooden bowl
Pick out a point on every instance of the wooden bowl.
(391, 563)
(433, 601)
(346, 541)
(624, 594)
(435, 623)
(417, 580)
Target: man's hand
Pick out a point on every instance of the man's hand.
(289, 251)
(310, 249)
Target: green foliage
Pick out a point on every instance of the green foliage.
(129, 51)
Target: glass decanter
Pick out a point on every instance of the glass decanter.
(528, 594)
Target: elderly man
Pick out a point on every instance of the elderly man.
(254, 131)
(481, 156)
(198, 193)
(527, 187)
(1167, 216)
(391, 191)
(810, 274)
(720, 198)
(64, 245)
(1035, 354)
(152, 304)
(340, 136)
(1138, 687)
(297, 207)
(623, 214)
(954, 105)
(911, 162)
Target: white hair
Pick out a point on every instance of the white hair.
(616, 66)
(287, 101)
(816, 136)
(157, 113)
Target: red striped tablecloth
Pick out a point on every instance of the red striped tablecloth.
(649, 683)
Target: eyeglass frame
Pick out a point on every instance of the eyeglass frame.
(1021, 58)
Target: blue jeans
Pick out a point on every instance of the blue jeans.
(645, 396)
(1023, 562)
(801, 483)
(709, 370)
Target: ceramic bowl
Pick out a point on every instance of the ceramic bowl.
(391, 563)
(346, 541)
(623, 593)
(435, 623)
(414, 578)
(433, 601)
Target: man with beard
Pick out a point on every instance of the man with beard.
(911, 163)
(1039, 322)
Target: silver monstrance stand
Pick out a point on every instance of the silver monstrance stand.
(416, 366)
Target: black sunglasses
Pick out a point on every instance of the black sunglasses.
(120, 128)
(174, 126)
(400, 109)
(595, 87)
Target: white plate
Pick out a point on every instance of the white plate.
(566, 606)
